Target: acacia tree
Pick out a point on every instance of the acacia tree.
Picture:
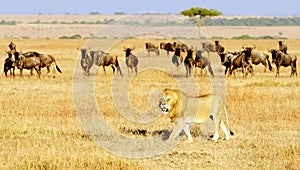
(198, 14)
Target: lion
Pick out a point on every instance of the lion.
(184, 110)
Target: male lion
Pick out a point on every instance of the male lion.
(184, 110)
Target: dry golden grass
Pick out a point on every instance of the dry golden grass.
(40, 130)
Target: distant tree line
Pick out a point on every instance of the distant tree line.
(209, 21)
(274, 21)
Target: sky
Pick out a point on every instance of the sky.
(227, 7)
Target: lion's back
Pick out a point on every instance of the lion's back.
(199, 108)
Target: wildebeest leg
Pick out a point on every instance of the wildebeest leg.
(232, 70)
(277, 71)
(129, 70)
(119, 70)
(187, 70)
(113, 68)
(38, 70)
(135, 69)
(54, 71)
(226, 69)
(31, 72)
(195, 72)
(104, 69)
(21, 72)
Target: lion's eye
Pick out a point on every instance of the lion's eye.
(168, 98)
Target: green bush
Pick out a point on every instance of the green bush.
(75, 36)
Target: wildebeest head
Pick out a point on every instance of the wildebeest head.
(190, 52)
(128, 50)
(217, 42)
(11, 55)
(12, 46)
(274, 54)
(247, 51)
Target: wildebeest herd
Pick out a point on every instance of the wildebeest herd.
(192, 58)
(28, 60)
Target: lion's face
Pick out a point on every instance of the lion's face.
(167, 101)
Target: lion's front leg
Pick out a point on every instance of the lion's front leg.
(179, 124)
(188, 132)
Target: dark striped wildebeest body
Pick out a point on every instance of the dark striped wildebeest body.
(29, 62)
(182, 46)
(189, 62)
(46, 61)
(167, 46)
(177, 58)
(151, 48)
(239, 60)
(104, 59)
(285, 60)
(131, 60)
(208, 47)
(257, 57)
(202, 62)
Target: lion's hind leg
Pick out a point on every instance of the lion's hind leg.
(224, 129)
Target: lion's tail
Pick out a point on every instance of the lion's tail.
(227, 122)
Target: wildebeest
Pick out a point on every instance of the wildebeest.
(87, 60)
(189, 62)
(167, 46)
(240, 61)
(29, 63)
(202, 62)
(208, 47)
(131, 60)
(257, 57)
(152, 48)
(182, 46)
(226, 60)
(177, 58)
(9, 64)
(105, 59)
(282, 47)
(46, 60)
(9, 61)
(285, 60)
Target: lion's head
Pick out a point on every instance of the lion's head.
(170, 103)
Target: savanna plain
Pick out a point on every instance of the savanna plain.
(41, 130)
